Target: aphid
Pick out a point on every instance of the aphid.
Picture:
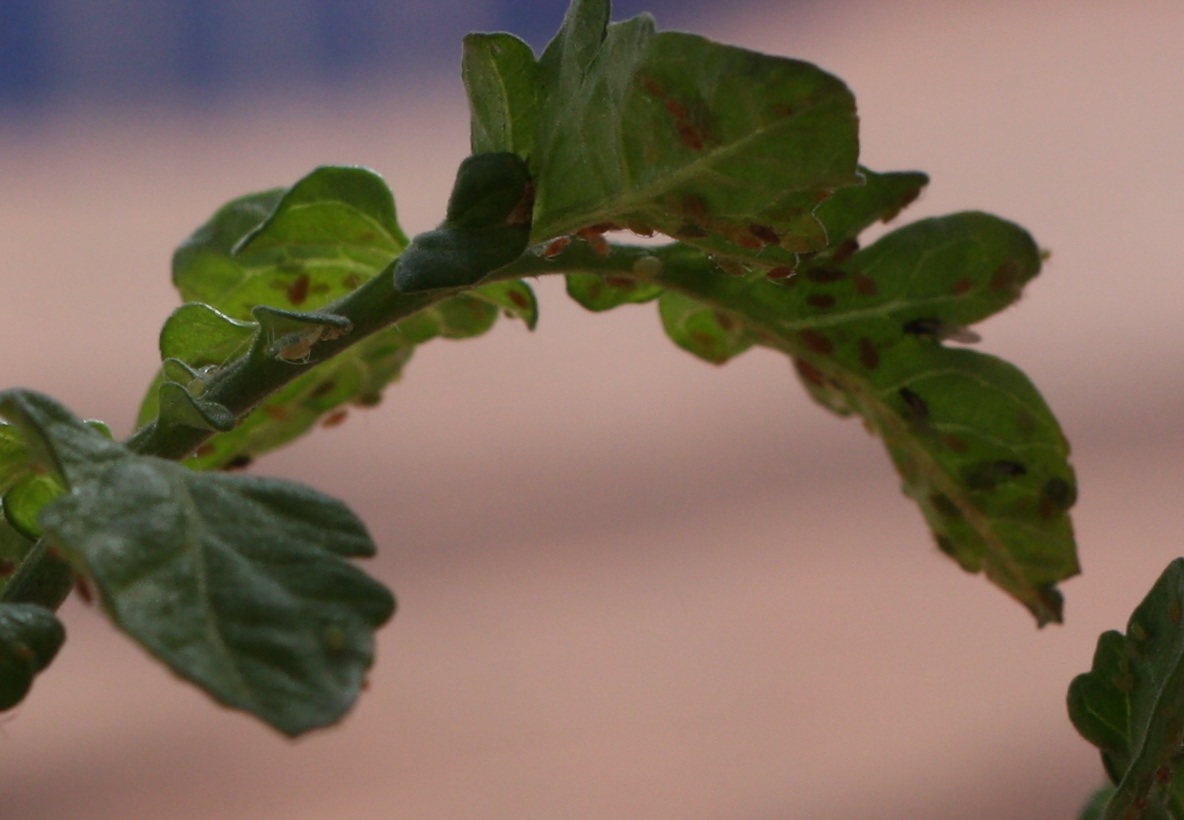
(641, 229)
(809, 373)
(298, 290)
(765, 234)
(944, 506)
(240, 462)
(780, 273)
(1056, 496)
(820, 300)
(297, 350)
(83, 589)
(652, 87)
(690, 136)
(648, 266)
(915, 406)
(7, 567)
(676, 109)
(844, 250)
(1003, 280)
(749, 242)
(276, 411)
(1163, 776)
(556, 246)
(955, 443)
(519, 299)
(598, 244)
(335, 418)
(816, 341)
(986, 475)
(962, 287)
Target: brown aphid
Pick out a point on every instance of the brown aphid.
(864, 284)
(335, 418)
(1163, 776)
(652, 87)
(276, 411)
(844, 251)
(809, 373)
(689, 135)
(323, 389)
(749, 242)
(780, 273)
(298, 291)
(869, 356)
(694, 207)
(598, 244)
(640, 228)
(204, 450)
(955, 443)
(83, 589)
(615, 280)
(816, 341)
(1003, 280)
(676, 109)
(962, 287)
(7, 567)
(822, 301)
(519, 299)
(240, 462)
(556, 246)
(765, 234)
(689, 230)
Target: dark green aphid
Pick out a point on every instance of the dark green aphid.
(915, 406)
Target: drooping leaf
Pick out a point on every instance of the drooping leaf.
(722, 148)
(976, 445)
(238, 584)
(598, 292)
(1131, 704)
(299, 248)
(30, 636)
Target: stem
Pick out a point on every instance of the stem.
(43, 578)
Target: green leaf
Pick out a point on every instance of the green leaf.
(25, 500)
(1096, 807)
(30, 636)
(486, 228)
(603, 292)
(514, 297)
(501, 77)
(14, 456)
(712, 335)
(722, 148)
(14, 547)
(973, 440)
(879, 199)
(1131, 704)
(302, 248)
(237, 583)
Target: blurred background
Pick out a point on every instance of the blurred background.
(630, 584)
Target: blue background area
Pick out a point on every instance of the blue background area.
(132, 50)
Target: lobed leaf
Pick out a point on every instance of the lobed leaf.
(30, 636)
(1131, 704)
(238, 584)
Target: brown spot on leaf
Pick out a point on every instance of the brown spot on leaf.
(652, 87)
(276, 411)
(816, 341)
(298, 290)
(869, 356)
(1005, 278)
(962, 287)
(676, 109)
(864, 284)
(820, 300)
(7, 567)
(689, 135)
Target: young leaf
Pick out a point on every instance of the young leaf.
(299, 248)
(14, 456)
(723, 148)
(598, 293)
(238, 584)
(486, 227)
(1131, 704)
(30, 636)
(14, 546)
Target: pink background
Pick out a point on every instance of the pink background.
(631, 584)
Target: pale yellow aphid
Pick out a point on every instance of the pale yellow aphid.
(297, 347)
